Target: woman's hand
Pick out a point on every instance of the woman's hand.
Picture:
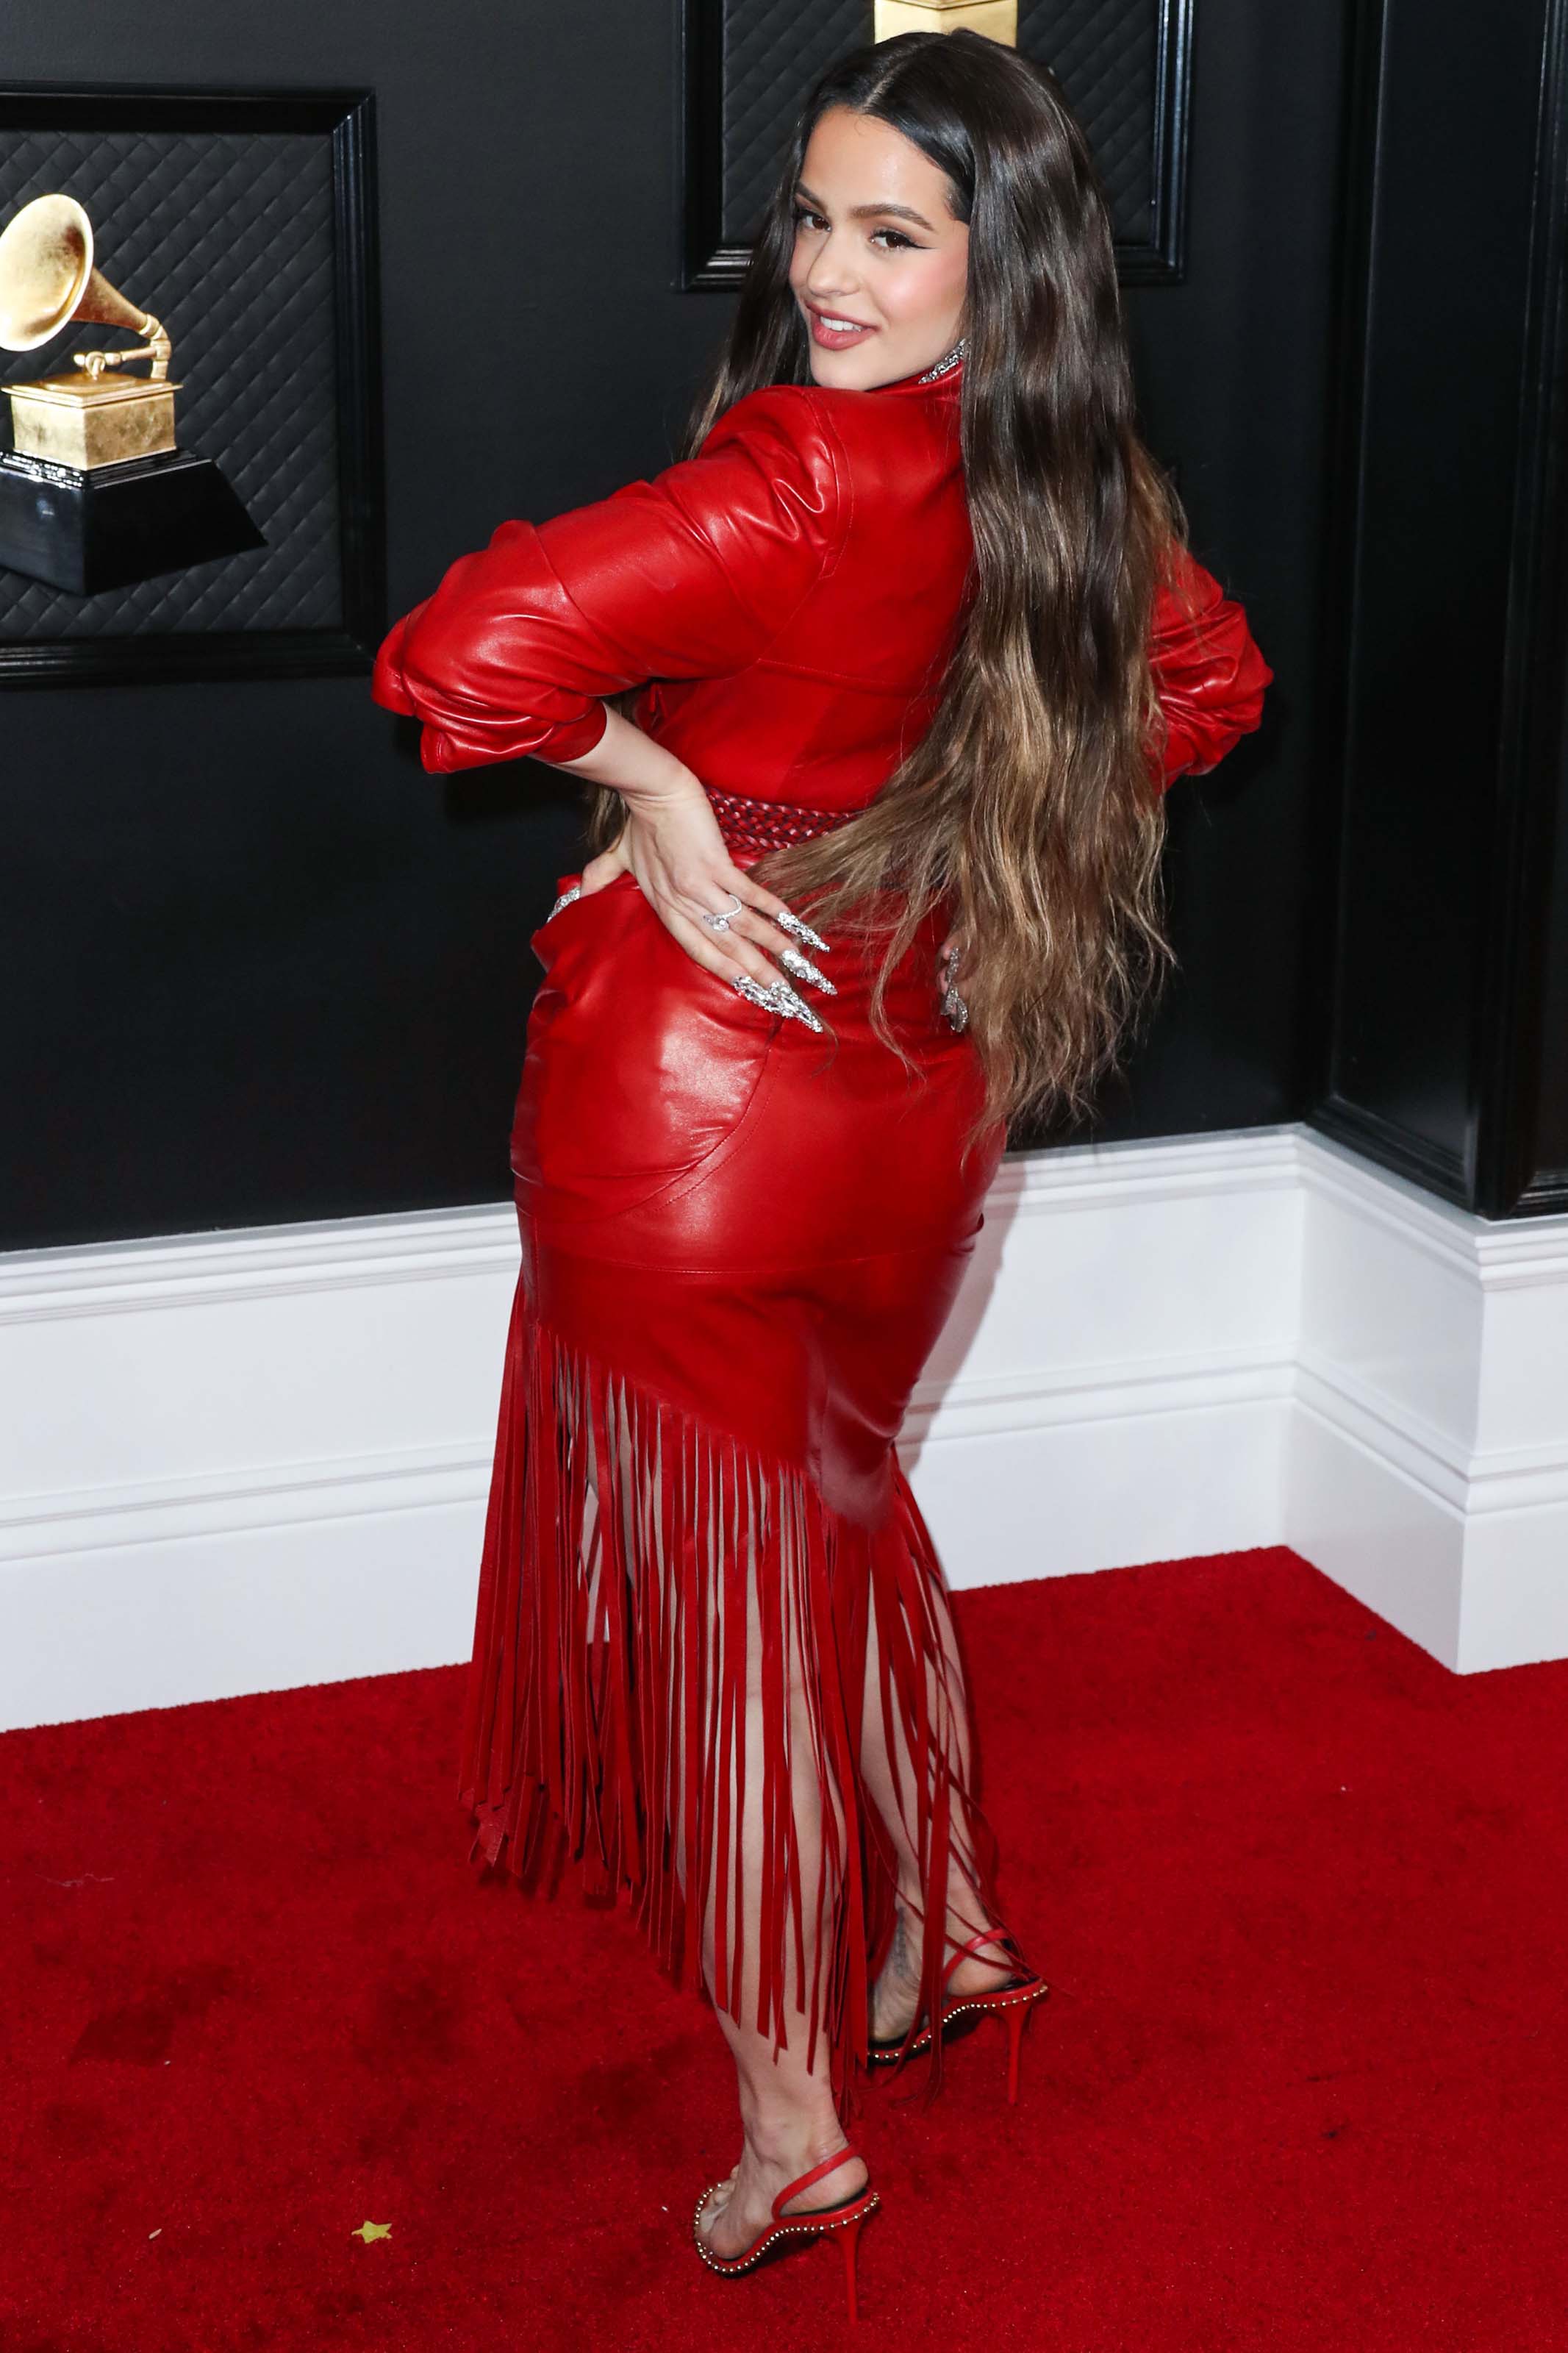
(671, 844)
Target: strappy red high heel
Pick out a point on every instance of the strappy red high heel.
(788, 2230)
(1012, 2002)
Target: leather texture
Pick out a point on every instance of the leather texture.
(704, 1183)
(740, 1239)
(764, 1228)
(787, 600)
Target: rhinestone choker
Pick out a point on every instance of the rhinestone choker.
(948, 359)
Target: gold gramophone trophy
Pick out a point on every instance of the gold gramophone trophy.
(96, 491)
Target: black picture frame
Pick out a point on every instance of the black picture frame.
(710, 259)
(346, 119)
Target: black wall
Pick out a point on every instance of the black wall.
(1446, 1050)
(256, 965)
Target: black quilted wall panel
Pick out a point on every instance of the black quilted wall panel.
(228, 237)
(256, 965)
(771, 54)
(1122, 63)
(246, 220)
(1105, 52)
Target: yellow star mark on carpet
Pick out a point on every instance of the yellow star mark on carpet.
(369, 2231)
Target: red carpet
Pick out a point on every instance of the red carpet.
(1301, 2082)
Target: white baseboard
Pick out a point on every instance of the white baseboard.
(1115, 1383)
(1428, 1470)
(251, 1460)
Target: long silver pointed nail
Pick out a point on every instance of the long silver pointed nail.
(795, 1006)
(804, 969)
(791, 924)
(779, 997)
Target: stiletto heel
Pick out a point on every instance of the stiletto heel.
(851, 2241)
(1012, 2002)
(787, 2232)
(1016, 2022)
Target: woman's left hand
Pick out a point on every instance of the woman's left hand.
(671, 845)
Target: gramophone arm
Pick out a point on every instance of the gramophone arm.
(156, 348)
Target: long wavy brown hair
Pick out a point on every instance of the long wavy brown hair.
(1029, 808)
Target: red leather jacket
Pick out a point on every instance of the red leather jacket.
(788, 600)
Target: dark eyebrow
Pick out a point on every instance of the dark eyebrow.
(869, 212)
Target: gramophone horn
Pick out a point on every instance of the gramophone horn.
(95, 491)
(47, 278)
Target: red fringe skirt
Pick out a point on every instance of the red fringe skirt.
(705, 1582)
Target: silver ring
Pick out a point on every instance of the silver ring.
(721, 923)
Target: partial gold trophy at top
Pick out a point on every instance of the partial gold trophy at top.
(96, 491)
(996, 19)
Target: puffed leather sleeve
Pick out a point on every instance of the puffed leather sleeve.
(1208, 672)
(692, 575)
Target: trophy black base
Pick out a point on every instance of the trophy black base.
(117, 525)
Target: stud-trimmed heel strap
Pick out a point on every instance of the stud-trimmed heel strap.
(818, 2172)
(972, 1946)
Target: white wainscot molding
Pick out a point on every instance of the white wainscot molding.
(250, 1460)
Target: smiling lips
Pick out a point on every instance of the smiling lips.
(834, 333)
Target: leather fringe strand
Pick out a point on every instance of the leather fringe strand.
(671, 1644)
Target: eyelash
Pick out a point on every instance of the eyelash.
(803, 212)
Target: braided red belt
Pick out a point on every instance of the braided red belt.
(758, 825)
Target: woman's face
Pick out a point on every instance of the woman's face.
(880, 266)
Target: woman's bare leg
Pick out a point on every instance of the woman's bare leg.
(888, 1775)
(788, 2119)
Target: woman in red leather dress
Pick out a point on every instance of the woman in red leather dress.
(915, 645)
